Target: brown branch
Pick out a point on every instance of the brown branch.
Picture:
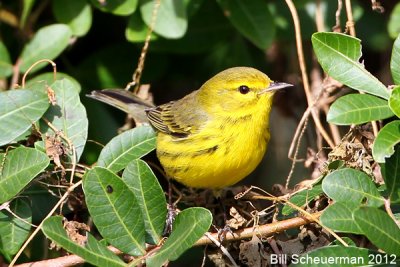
(262, 230)
(65, 261)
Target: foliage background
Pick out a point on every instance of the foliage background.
(105, 47)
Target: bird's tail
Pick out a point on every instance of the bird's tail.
(125, 101)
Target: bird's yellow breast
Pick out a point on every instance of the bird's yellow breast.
(227, 149)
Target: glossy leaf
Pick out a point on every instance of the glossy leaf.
(117, 7)
(358, 109)
(359, 255)
(394, 101)
(172, 19)
(379, 228)
(204, 34)
(349, 185)
(19, 109)
(391, 174)
(114, 210)
(339, 217)
(394, 22)
(68, 115)
(395, 60)
(93, 252)
(47, 43)
(385, 141)
(150, 196)
(339, 56)
(188, 227)
(252, 19)
(19, 167)
(128, 146)
(302, 198)
(76, 14)
(14, 231)
(6, 66)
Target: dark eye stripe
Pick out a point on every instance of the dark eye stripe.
(244, 89)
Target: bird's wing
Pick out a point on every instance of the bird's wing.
(178, 118)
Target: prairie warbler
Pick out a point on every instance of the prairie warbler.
(214, 136)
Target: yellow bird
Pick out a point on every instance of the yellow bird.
(213, 137)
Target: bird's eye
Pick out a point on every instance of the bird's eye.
(244, 89)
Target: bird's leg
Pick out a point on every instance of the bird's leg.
(226, 229)
(171, 214)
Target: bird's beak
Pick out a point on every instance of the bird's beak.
(274, 86)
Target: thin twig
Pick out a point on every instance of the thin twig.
(303, 70)
(221, 247)
(350, 21)
(18, 217)
(319, 19)
(311, 217)
(351, 27)
(295, 154)
(59, 203)
(35, 64)
(15, 76)
(139, 69)
(337, 27)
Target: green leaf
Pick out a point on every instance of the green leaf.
(19, 167)
(26, 10)
(346, 239)
(6, 67)
(117, 7)
(395, 61)
(188, 227)
(48, 78)
(137, 30)
(342, 256)
(391, 174)
(349, 185)
(358, 109)
(302, 198)
(252, 19)
(205, 35)
(68, 116)
(14, 231)
(130, 145)
(385, 141)
(394, 22)
(339, 56)
(93, 252)
(394, 101)
(379, 228)
(47, 43)
(76, 14)
(339, 217)
(144, 184)
(19, 109)
(171, 21)
(114, 210)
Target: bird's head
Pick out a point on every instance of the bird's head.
(238, 88)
